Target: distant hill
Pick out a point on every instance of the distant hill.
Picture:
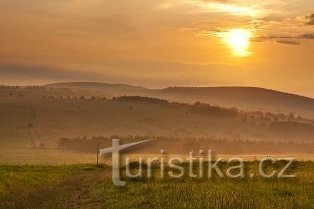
(94, 85)
(241, 97)
(246, 98)
(106, 89)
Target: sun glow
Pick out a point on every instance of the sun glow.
(238, 40)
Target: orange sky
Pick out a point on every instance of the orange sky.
(158, 43)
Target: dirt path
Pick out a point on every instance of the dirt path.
(72, 192)
(77, 189)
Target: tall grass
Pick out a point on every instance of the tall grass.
(41, 187)
(216, 193)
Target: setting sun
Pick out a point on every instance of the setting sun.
(239, 41)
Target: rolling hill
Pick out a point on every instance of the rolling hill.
(248, 98)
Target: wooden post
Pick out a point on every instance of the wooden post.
(97, 154)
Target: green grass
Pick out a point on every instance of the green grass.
(214, 193)
(90, 187)
(37, 186)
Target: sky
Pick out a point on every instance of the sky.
(159, 43)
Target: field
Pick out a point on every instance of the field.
(49, 139)
(87, 186)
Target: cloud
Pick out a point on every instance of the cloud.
(220, 1)
(43, 72)
(298, 36)
(307, 36)
(285, 39)
(288, 42)
(310, 19)
(136, 72)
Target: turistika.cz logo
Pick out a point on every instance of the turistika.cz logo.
(173, 163)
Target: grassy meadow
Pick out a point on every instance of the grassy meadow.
(49, 139)
(87, 186)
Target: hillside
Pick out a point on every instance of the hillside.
(249, 98)
(104, 89)
(36, 120)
